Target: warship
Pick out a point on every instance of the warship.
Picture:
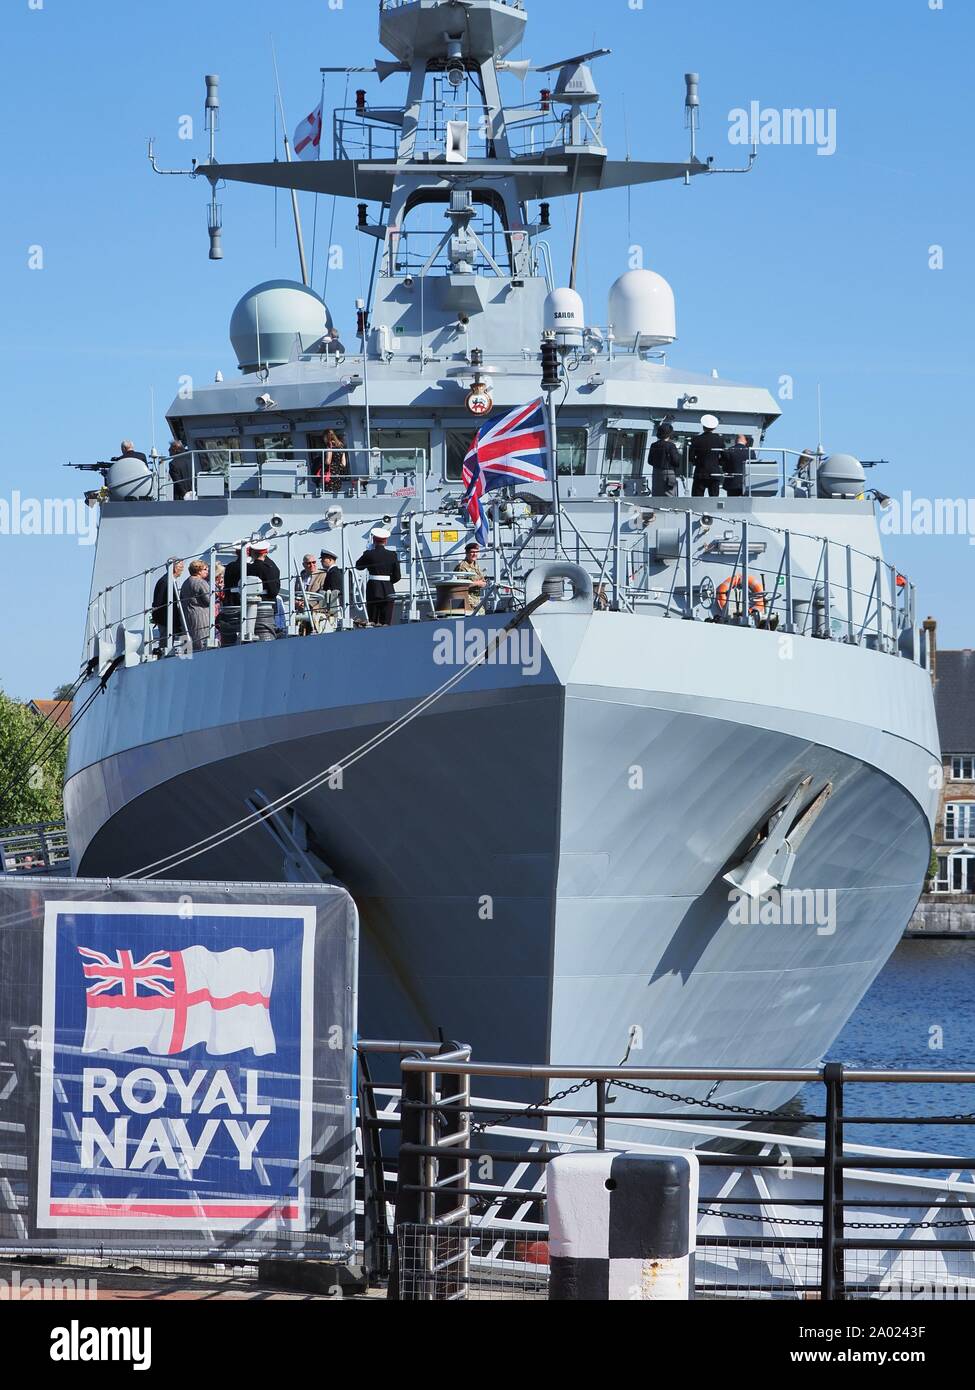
(658, 787)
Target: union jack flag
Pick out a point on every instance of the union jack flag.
(125, 976)
(508, 450)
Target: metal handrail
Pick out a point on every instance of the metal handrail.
(565, 1072)
(800, 603)
(411, 462)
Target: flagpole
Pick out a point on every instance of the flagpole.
(553, 440)
(294, 192)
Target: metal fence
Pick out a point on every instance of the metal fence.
(41, 848)
(782, 1214)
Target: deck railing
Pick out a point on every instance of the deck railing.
(683, 564)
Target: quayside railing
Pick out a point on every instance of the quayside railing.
(781, 1214)
(37, 848)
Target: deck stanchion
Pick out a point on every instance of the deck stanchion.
(688, 569)
(212, 637)
(746, 602)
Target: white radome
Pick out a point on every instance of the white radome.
(641, 303)
(272, 319)
(565, 316)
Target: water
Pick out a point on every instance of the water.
(918, 1014)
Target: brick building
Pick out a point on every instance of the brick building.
(954, 693)
(948, 903)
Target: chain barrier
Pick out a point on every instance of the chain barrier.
(535, 1108)
(848, 1225)
(538, 1107)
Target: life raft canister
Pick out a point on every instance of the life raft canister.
(756, 592)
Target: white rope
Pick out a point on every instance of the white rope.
(218, 838)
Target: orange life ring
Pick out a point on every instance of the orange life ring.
(756, 592)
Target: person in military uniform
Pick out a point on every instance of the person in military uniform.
(664, 462)
(384, 572)
(707, 456)
(260, 566)
(737, 457)
(469, 565)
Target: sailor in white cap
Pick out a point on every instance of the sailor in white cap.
(384, 573)
(707, 455)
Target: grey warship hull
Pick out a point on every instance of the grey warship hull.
(561, 896)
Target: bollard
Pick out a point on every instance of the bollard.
(622, 1226)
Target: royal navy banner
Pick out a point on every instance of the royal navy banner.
(189, 1076)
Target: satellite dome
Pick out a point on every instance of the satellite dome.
(564, 315)
(272, 319)
(841, 475)
(641, 303)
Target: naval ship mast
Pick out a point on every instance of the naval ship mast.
(466, 155)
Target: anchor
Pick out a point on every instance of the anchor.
(770, 862)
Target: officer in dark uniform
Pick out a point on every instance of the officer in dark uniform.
(706, 454)
(260, 566)
(664, 461)
(384, 572)
(736, 459)
(333, 575)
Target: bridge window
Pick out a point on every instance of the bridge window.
(625, 453)
(458, 442)
(270, 446)
(571, 449)
(401, 451)
(218, 454)
(326, 453)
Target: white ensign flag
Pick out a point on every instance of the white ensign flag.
(308, 136)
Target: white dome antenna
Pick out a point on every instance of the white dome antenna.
(565, 316)
(642, 310)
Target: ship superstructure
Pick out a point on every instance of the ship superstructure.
(720, 706)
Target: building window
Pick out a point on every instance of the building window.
(963, 767)
(626, 451)
(960, 820)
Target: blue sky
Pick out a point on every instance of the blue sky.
(815, 267)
